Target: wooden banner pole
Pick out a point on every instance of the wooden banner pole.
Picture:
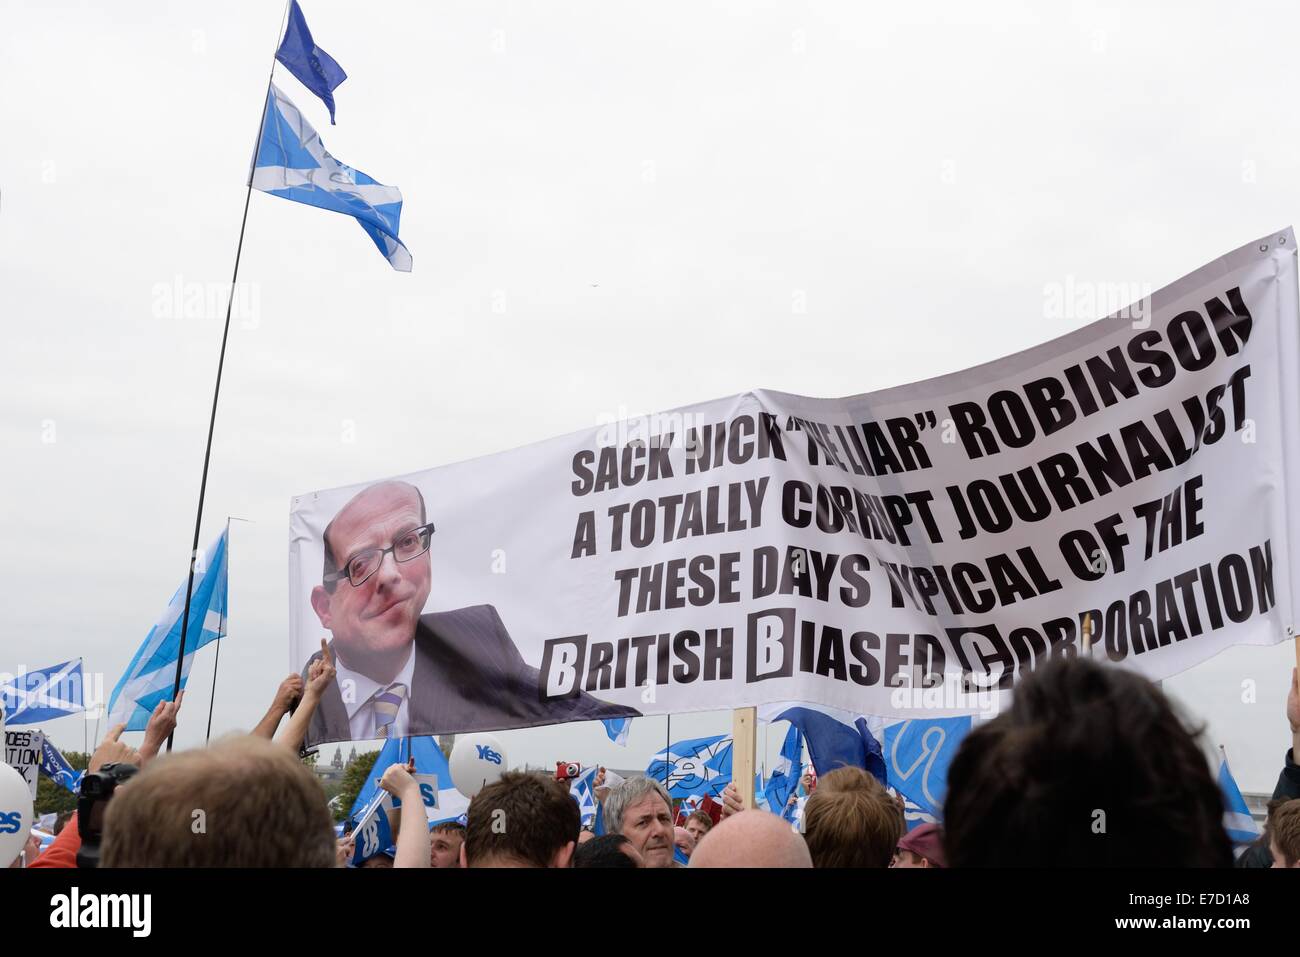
(743, 742)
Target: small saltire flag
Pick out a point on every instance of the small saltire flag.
(429, 759)
(617, 729)
(836, 739)
(292, 163)
(43, 694)
(314, 68)
(1241, 827)
(150, 675)
(55, 767)
(784, 779)
(584, 795)
(917, 755)
(695, 766)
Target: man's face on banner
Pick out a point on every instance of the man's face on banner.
(374, 621)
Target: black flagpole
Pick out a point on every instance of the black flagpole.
(216, 392)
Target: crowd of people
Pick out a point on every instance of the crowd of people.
(1090, 766)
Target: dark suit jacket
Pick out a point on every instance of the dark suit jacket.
(469, 676)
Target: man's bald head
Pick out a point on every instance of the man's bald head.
(752, 839)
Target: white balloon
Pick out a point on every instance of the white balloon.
(476, 761)
(15, 814)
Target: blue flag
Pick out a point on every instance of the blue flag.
(314, 68)
(56, 767)
(43, 694)
(150, 675)
(1241, 827)
(446, 805)
(616, 729)
(784, 779)
(372, 834)
(584, 795)
(293, 164)
(695, 766)
(918, 753)
(835, 738)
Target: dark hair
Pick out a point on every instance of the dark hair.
(522, 818)
(604, 851)
(1284, 831)
(448, 827)
(331, 563)
(702, 817)
(1090, 766)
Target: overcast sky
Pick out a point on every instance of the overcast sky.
(613, 208)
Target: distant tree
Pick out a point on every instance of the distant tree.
(354, 779)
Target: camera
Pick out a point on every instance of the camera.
(96, 790)
(567, 770)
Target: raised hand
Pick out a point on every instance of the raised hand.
(113, 751)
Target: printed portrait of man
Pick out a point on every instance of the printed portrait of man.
(401, 671)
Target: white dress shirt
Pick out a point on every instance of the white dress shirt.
(361, 708)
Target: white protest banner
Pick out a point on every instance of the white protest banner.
(918, 548)
(23, 754)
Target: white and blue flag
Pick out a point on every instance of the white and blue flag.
(150, 676)
(372, 834)
(582, 793)
(56, 767)
(917, 755)
(314, 68)
(45, 693)
(445, 805)
(784, 779)
(292, 163)
(697, 766)
(617, 729)
(1241, 827)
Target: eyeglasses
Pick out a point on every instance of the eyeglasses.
(363, 564)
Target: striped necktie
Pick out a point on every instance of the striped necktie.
(387, 703)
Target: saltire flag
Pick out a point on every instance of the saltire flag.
(292, 163)
(150, 675)
(784, 779)
(55, 767)
(917, 755)
(1241, 827)
(584, 795)
(372, 835)
(43, 694)
(429, 759)
(617, 729)
(314, 68)
(836, 739)
(697, 766)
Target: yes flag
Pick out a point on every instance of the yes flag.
(292, 163)
(917, 755)
(695, 766)
(1241, 827)
(314, 68)
(372, 834)
(56, 767)
(43, 694)
(152, 672)
(446, 805)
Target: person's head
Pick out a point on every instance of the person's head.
(752, 839)
(369, 599)
(523, 819)
(698, 824)
(445, 840)
(242, 802)
(641, 811)
(851, 821)
(608, 850)
(1090, 766)
(683, 841)
(920, 847)
(380, 859)
(1284, 835)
